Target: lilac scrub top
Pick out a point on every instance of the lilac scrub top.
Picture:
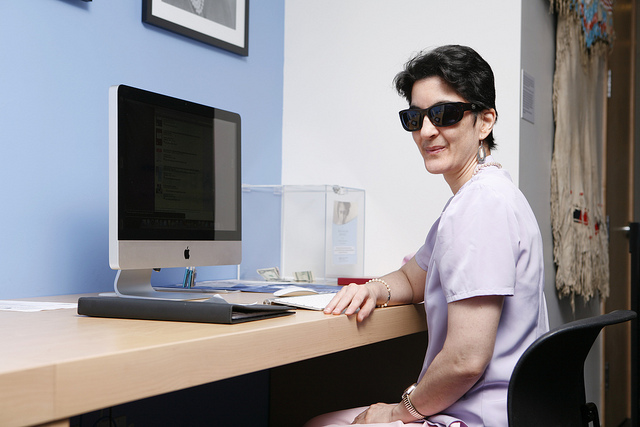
(486, 242)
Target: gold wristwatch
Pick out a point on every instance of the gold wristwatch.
(406, 400)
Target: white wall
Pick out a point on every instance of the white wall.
(340, 122)
(536, 139)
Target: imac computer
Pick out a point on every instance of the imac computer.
(174, 188)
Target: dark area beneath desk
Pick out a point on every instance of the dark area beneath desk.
(285, 396)
(358, 377)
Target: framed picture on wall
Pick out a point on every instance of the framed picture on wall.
(221, 23)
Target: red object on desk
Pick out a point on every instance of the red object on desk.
(342, 281)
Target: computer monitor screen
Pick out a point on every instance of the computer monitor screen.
(175, 187)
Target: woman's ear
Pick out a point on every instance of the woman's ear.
(487, 120)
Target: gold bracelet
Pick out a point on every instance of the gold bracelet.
(388, 291)
(406, 400)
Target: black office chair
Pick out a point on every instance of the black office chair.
(547, 384)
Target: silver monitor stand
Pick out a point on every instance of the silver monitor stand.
(137, 284)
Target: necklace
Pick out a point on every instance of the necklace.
(486, 165)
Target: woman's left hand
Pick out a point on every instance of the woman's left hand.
(378, 413)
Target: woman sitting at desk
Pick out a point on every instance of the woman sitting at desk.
(480, 271)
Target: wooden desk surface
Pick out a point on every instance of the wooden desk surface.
(56, 364)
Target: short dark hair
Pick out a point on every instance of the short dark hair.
(461, 67)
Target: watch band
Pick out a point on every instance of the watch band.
(406, 400)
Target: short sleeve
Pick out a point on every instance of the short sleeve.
(423, 256)
(477, 245)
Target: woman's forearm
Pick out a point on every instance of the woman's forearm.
(444, 383)
(406, 284)
(472, 328)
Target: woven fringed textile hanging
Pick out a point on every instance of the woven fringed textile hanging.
(594, 17)
(581, 251)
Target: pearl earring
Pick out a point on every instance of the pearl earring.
(482, 154)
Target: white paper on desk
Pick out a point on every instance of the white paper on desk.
(7, 305)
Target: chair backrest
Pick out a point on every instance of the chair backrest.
(547, 384)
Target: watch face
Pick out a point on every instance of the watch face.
(409, 390)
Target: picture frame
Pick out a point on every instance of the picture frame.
(220, 23)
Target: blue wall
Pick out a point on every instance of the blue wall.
(57, 60)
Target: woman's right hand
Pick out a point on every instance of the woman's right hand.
(406, 287)
(353, 298)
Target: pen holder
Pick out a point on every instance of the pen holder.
(189, 279)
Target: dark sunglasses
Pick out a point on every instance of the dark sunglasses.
(440, 115)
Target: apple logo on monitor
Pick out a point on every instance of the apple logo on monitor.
(186, 253)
